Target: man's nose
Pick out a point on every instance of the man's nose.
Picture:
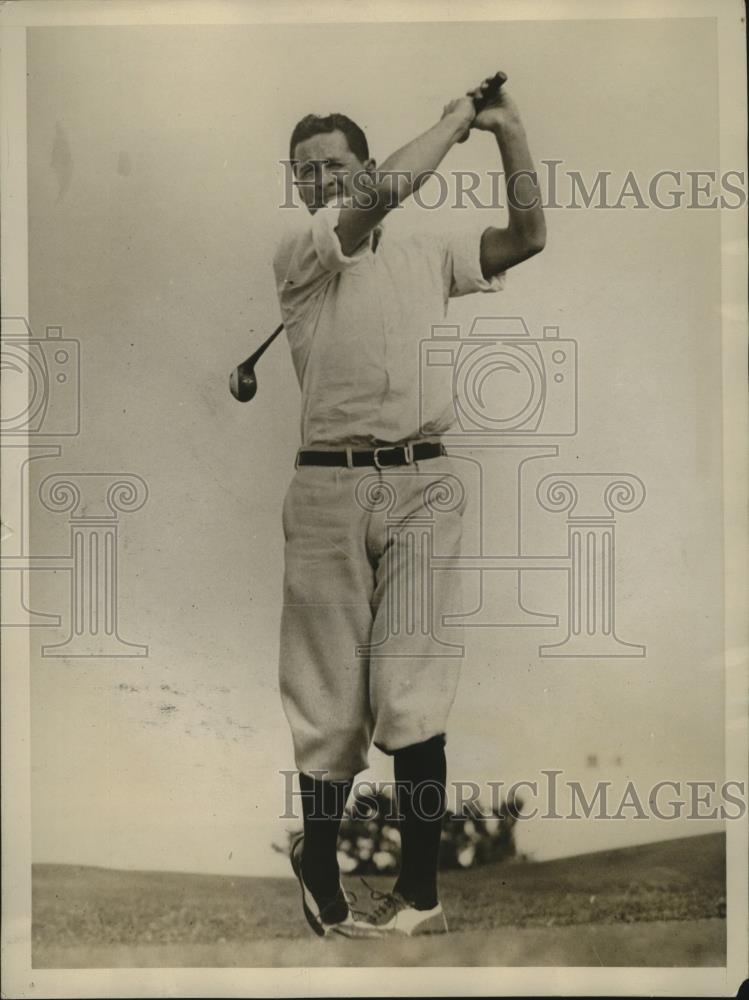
(328, 180)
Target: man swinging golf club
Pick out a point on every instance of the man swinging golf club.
(356, 303)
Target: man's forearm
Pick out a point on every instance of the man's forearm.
(401, 174)
(406, 169)
(526, 217)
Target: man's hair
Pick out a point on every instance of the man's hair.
(315, 124)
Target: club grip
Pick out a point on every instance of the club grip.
(495, 85)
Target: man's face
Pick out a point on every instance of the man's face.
(325, 168)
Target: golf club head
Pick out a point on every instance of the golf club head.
(243, 383)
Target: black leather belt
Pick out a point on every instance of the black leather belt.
(381, 458)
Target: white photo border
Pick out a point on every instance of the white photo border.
(20, 979)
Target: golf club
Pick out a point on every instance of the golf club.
(243, 380)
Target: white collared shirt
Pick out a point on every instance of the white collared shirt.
(355, 326)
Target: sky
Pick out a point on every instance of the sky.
(154, 186)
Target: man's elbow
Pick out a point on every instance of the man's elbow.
(527, 241)
(534, 241)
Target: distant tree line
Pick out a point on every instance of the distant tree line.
(369, 841)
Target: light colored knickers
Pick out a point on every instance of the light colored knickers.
(365, 655)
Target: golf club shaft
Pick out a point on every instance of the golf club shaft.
(262, 349)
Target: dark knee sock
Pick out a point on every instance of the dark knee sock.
(420, 775)
(323, 804)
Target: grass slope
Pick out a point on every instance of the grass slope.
(676, 880)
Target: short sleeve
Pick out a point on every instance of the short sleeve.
(326, 243)
(308, 256)
(462, 264)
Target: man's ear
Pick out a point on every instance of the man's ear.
(370, 165)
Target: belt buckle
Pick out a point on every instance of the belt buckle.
(408, 454)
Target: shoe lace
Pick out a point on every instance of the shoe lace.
(385, 902)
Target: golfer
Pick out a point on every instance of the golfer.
(356, 302)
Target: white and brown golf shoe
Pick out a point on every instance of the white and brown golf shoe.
(394, 914)
(332, 917)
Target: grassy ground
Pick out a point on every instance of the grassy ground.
(672, 943)
(677, 886)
